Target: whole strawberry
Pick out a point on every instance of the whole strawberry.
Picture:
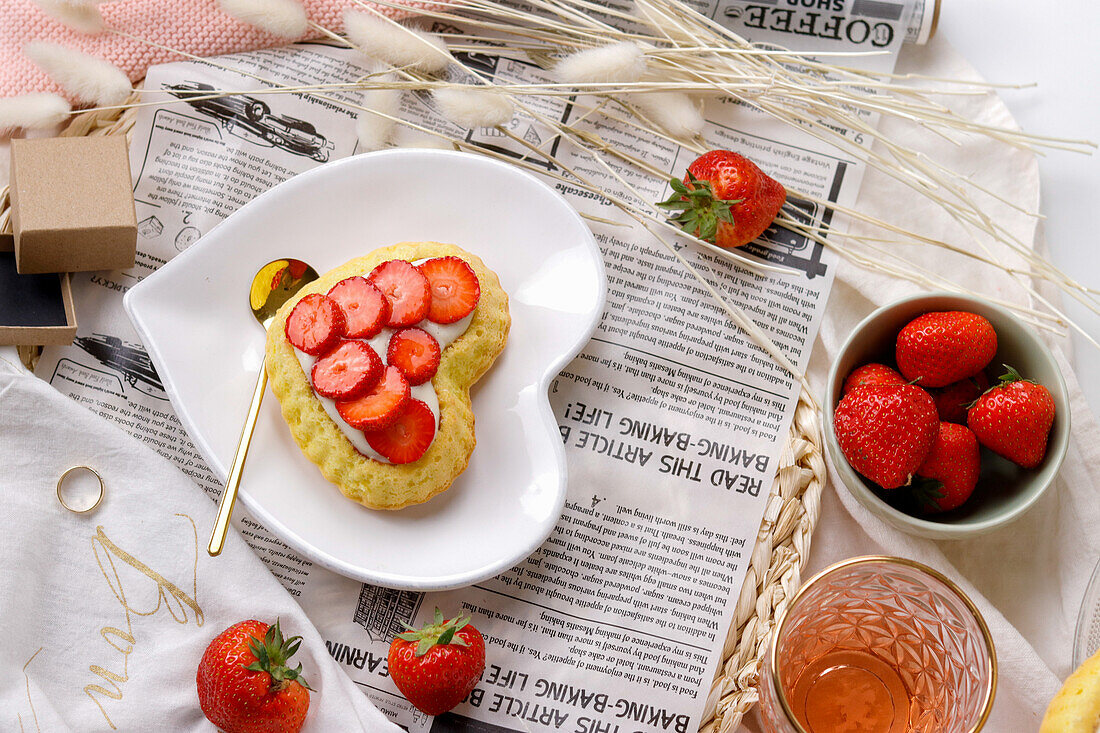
(886, 431)
(952, 466)
(871, 374)
(1013, 419)
(436, 667)
(943, 347)
(245, 685)
(953, 400)
(725, 199)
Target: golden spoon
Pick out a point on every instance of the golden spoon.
(274, 284)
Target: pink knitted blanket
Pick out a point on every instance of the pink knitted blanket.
(196, 26)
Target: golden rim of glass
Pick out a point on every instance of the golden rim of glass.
(781, 620)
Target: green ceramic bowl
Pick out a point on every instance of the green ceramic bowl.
(1005, 491)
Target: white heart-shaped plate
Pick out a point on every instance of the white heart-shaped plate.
(194, 318)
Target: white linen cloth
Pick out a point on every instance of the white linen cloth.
(105, 615)
(1028, 578)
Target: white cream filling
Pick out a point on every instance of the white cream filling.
(444, 333)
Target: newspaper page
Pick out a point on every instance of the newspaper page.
(672, 418)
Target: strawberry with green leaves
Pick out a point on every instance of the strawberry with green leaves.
(950, 470)
(245, 682)
(1013, 419)
(725, 199)
(437, 666)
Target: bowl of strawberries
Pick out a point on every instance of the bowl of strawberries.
(946, 416)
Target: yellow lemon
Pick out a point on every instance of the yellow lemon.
(1076, 707)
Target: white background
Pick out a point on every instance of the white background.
(1053, 44)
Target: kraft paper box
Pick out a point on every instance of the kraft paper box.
(34, 309)
(72, 204)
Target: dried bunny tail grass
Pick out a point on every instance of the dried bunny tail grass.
(81, 17)
(674, 112)
(472, 108)
(85, 77)
(283, 18)
(376, 130)
(385, 40)
(619, 62)
(688, 53)
(32, 111)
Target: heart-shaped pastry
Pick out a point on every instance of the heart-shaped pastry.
(373, 364)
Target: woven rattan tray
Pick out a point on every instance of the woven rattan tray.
(782, 545)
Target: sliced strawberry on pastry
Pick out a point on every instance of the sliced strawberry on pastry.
(379, 406)
(408, 437)
(365, 307)
(454, 286)
(405, 288)
(315, 324)
(415, 352)
(346, 372)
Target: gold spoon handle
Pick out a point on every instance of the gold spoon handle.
(229, 498)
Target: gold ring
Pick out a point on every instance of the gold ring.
(61, 497)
